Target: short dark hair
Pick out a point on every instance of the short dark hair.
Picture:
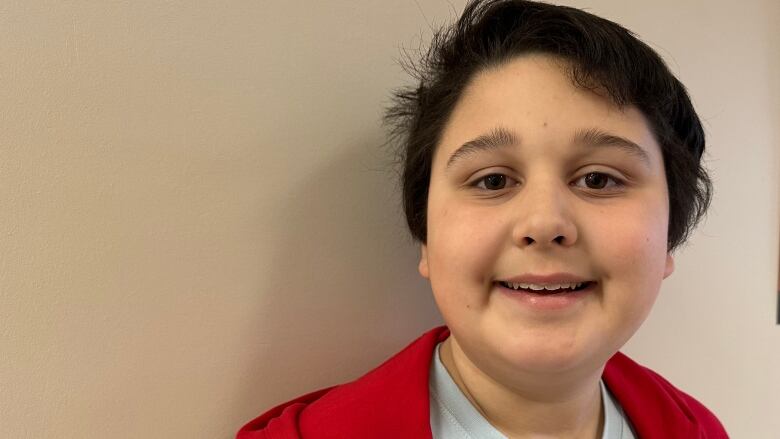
(602, 56)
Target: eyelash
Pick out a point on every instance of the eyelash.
(617, 182)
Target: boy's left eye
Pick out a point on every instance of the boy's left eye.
(599, 180)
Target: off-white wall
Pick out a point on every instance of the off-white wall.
(198, 221)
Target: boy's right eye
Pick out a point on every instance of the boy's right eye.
(493, 182)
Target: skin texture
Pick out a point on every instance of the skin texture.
(534, 373)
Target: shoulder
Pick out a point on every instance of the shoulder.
(396, 389)
(655, 406)
(280, 421)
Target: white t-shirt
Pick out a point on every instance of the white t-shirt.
(453, 416)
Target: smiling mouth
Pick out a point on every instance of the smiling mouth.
(547, 289)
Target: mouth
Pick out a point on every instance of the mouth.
(547, 289)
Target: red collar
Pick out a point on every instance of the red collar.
(391, 401)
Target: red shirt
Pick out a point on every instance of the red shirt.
(391, 401)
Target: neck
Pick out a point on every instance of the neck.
(551, 406)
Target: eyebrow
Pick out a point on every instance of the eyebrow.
(595, 137)
(500, 138)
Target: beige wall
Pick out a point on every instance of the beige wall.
(198, 221)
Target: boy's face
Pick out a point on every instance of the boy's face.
(594, 209)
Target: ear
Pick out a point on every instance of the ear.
(669, 268)
(423, 267)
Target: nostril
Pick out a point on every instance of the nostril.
(558, 240)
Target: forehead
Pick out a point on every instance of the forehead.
(533, 96)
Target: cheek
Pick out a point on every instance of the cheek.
(637, 242)
(632, 248)
(638, 228)
(463, 245)
(631, 255)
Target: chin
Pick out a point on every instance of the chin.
(549, 359)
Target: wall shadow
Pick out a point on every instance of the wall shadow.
(344, 293)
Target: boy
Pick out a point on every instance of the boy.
(551, 166)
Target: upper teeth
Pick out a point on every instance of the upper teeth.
(517, 286)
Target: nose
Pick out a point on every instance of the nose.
(544, 217)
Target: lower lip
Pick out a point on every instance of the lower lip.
(551, 302)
